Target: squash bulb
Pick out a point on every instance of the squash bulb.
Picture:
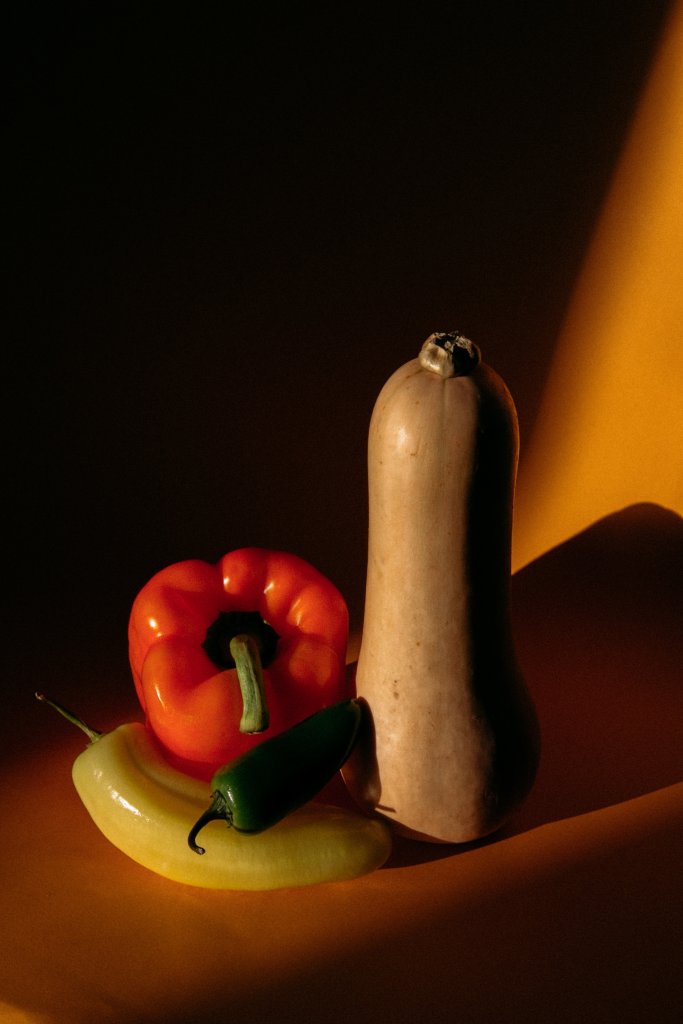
(453, 745)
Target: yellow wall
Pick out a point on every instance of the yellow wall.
(610, 429)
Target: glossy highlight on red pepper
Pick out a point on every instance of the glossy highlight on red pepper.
(192, 701)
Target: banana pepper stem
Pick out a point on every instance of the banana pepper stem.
(92, 734)
(245, 653)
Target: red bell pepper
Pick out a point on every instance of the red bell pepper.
(286, 616)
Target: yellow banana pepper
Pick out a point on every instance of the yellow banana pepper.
(146, 808)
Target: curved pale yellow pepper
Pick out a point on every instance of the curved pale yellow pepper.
(146, 808)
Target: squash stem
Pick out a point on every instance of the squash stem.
(449, 354)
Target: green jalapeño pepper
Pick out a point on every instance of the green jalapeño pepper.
(260, 788)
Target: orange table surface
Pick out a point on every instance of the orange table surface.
(572, 913)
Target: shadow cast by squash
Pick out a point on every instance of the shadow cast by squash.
(597, 623)
(598, 635)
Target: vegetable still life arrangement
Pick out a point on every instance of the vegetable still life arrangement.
(240, 670)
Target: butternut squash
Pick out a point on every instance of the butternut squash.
(452, 747)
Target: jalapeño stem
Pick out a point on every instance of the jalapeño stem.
(217, 811)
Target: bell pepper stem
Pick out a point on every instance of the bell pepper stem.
(92, 734)
(247, 658)
(217, 811)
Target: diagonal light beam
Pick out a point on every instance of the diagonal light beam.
(610, 428)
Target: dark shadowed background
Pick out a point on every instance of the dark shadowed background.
(229, 225)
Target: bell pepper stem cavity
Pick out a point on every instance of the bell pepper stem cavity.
(245, 653)
(217, 811)
(92, 734)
